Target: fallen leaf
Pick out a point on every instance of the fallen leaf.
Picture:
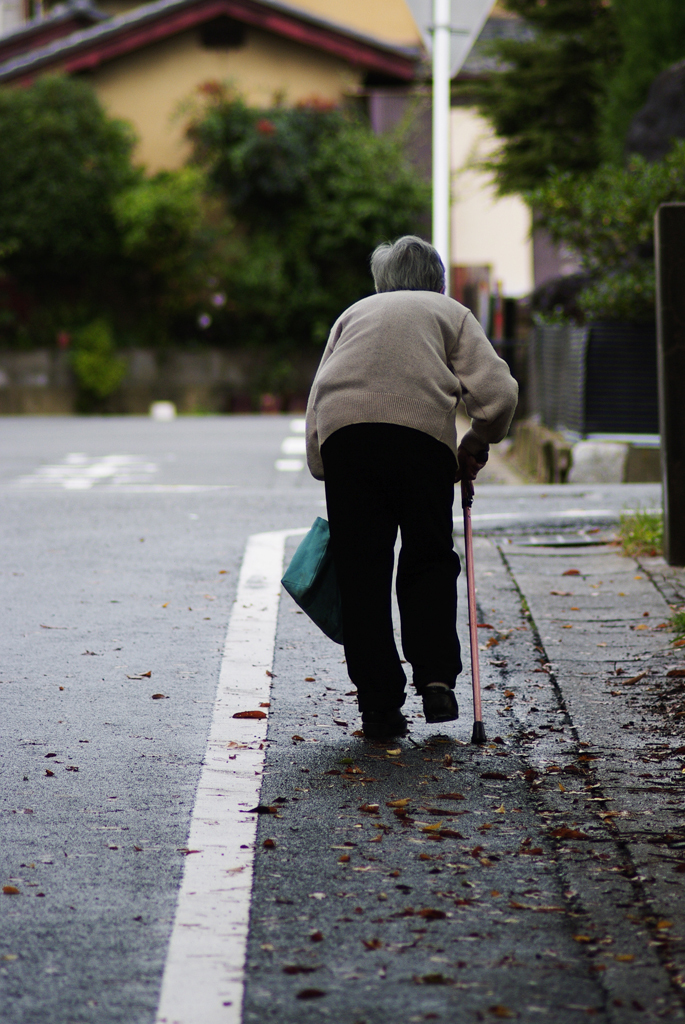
(501, 809)
(665, 924)
(431, 979)
(500, 1011)
(495, 775)
(337, 721)
(432, 828)
(310, 993)
(398, 803)
(11, 890)
(269, 844)
(431, 914)
(571, 572)
(679, 643)
(345, 857)
(370, 808)
(450, 796)
(394, 753)
(568, 833)
(582, 938)
(450, 833)
(298, 969)
(48, 772)
(143, 675)
(298, 739)
(316, 936)
(373, 943)
(625, 958)
(249, 714)
(309, 679)
(676, 673)
(263, 809)
(317, 895)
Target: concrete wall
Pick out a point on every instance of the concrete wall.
(41, 382)
(152, 88)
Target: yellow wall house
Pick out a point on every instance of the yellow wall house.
(147, 62)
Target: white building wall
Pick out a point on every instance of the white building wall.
(486, 230)
(11, 15)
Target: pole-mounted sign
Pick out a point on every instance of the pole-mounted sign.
(449, 28)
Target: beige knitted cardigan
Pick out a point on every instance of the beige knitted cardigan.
(409, 357)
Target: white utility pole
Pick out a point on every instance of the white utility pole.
(449, 29)
(442, 38)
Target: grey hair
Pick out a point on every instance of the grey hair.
(408, 264)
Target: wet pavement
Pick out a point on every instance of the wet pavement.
(540, 877)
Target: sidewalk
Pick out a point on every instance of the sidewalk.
(538, 878)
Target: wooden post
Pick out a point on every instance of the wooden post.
(670, 276)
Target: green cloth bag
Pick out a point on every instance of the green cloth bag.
(311, 581)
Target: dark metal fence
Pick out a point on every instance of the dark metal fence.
(600, 378)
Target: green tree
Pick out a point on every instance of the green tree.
(62, 161)
(607, 218)
(84, 234)
(652, 36)
(545, 103)
(313, 190)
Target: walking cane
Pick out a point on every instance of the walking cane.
(478, 734)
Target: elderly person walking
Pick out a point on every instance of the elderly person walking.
(381, 434)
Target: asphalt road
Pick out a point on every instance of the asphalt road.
(122, 543)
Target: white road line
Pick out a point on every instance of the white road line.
(289, 465)
(294, 445)
(204, 973)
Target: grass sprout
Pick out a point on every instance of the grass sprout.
(678, 623)
(641, 532)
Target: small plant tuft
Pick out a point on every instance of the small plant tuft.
(678, 623)
(641, 532)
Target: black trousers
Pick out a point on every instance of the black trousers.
(379, 477)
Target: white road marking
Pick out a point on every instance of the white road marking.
(298, 426)
(204, 973)
(289, 465)
(294, 446)
(80, 472)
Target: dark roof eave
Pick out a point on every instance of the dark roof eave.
(87, 49)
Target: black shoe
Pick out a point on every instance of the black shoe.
(439, 703)
(384, 725)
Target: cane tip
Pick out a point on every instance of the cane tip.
(478, 734)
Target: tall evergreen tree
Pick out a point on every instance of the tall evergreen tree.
(652, 37)
(545, 103)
